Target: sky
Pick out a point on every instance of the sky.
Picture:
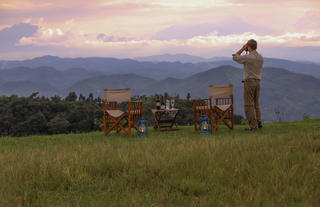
(287, 29)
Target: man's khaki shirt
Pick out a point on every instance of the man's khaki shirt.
(252, 64)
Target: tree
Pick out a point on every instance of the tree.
(56, 98)
(82, 98)
(188, 96)
(166, 95)
(58, 125)
(90, 98)
(37, 123)
(71, 97)
(34, 95)
(33, 124)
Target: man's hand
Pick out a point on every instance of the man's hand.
(244, 47)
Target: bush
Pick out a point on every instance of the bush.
(23, 116)
(58, 125)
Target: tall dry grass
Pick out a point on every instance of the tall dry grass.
(277, 166)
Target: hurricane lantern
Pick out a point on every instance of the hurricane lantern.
(204, 125)
(142, 129)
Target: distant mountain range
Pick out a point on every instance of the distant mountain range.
(110, 66)
(293, 94)
(308, 68)
(183, 58)
(48, 75)
(170, 66)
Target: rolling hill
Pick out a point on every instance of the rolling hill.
(307, 68)
(26, 88)
(292, 94)
(49, 75)
(110, 66)
(297, 67)
(155, 67)
(183, 58)
(96, 84)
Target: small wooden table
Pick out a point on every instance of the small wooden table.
(165, 119)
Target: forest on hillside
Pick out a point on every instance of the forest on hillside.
(35, 115)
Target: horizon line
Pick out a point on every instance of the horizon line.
(169, 54)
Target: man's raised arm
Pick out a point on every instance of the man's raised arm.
(237, 57)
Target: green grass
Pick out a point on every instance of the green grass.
(277, 166)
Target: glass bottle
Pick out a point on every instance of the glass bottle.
(158, 104)
(163, 106)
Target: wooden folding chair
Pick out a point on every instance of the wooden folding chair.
(223, 109)
(202, 107)
(114, 117)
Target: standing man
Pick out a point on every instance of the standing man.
(251, 78)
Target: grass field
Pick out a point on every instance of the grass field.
(277, 166)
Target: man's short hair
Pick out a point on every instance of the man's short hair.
(253, 44)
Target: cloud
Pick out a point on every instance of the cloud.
(112, 38)
(292, 2)
(171, 4)
(187, 31)
(9, 36)
(56, 36)
(128, 28)
(47, 36)
(136, 18)
(288, 39)
(65, 38)
(310, 20)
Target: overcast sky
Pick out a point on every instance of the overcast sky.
(130, 28)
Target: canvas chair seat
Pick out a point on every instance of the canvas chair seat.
(115, 113)
(223, 107)
(135, 112)
(118, 113)
(203, 107)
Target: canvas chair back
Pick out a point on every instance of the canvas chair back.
(116, 95)
(220, 91)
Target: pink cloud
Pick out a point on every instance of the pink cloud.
(149, 26)
(232, 26)
(310, 20)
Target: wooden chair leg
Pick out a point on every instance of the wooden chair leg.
(104, 118)
(220, 119)
(232, 119)
(110, 129)
(195, 124)
(211, 121)
(105, 124)
(217, 118)
(116, 125)
(221, 116)
(196, 128)
(195, 116)
(227, 124)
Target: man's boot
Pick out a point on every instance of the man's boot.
(250, 129)
(259, 124)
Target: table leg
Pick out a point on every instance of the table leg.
(174, 122)
(156, 119)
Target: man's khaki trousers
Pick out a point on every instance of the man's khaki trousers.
(251, 103)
